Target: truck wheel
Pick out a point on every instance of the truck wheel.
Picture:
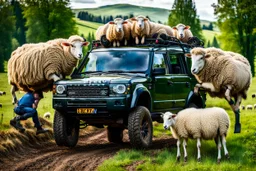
(66, 130)
(140, 127)
(115, 135)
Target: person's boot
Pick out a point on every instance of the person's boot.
(15, 122)
(41, 130)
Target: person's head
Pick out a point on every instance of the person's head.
(38, 95)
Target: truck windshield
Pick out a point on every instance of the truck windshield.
(125, 61)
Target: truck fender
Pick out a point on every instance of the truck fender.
(139, 89)
(196, 99)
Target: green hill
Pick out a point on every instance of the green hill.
(155, 14)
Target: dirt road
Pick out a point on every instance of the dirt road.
(92, 149)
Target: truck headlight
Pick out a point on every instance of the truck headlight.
(60, 89)
(119, 88)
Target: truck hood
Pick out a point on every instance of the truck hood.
(103, 79)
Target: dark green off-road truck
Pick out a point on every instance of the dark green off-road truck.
(124, 88)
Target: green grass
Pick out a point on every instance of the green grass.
(209, 35)
(45, 104)
(86, 27)
(241, 147)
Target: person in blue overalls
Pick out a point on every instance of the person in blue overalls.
(26, 108)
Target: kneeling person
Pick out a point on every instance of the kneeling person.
(26, 108)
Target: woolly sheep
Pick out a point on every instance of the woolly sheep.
(221, 76)
(249, 107)
(2, 93)
(102, 30)
(47, 115)
(142, 28)
(117, 31)
(208, 123)
(34, 67)
(182, 32)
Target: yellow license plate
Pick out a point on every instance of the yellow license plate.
(85, 110)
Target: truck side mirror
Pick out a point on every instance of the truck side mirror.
(159, 71)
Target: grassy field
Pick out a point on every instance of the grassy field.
(241, 147)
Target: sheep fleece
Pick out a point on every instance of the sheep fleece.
(201, 123)
(30, 69)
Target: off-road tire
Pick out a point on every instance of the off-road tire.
(140, 127)
(115, 135)
(66, 130)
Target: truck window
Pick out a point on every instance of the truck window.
(159, 61)
(176, 64)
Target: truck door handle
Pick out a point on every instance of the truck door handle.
(169, 82)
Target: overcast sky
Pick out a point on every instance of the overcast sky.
(204, 9)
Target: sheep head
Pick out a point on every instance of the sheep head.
(75, 44)
(140, 21)
(180, 28)
(119, 24)
(168, 118)
(198, 56)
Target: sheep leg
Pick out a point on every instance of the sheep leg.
(178, 150)
(137, 40)
(54, 77)
(198, 150)
(237, 112)
(143, 40)
(206, 86)
(219, 150)
(114, 44)
(185, 150)
(14, 97)
(238, 102)
(225, 146)
(125, 42)
(117, 43)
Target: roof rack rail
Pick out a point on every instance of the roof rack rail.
(152, 42)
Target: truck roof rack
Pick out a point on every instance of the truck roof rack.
(153, 42)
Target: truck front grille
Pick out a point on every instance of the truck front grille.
(87, 91)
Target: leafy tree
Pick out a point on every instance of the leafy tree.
(215, 43)
(48, 19)
(208, 44)
(237, 22)
(184, 11)
(7, 27)
(20, 22)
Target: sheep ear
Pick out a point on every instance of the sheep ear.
(173, 115)
(188, 55)
(187, 27)
(111, 22)
(133, 19)
(162, 115)
(125, 22)
(85, 43)
(145, 19)
(65, 44)
(175, 28)
(207, 55)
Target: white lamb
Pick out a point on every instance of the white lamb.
(34, 67)
(117, 31)
(249, 107)
(142, 28)
(222, 76)
(208, 123)
(47, 115)
(182, 32)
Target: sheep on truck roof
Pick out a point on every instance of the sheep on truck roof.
(182, 32)
(222, 76)
(34, 67)
(208, 123)
(142, 28)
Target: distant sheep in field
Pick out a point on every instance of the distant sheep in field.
(208, 123)
(47, 115)
(2, 93)
(242, 107)
(1, 105)
(34, 67)
(117, 31)
(182, 32)
(253, 95)
(222, 77)
(142, 28)
(249, 107)
(254, 106)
